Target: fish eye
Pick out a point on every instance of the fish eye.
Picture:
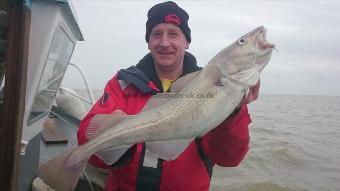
(242, 41)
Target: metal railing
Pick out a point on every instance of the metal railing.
(87, 85)
(90, 101)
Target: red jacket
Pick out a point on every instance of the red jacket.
(129, 90)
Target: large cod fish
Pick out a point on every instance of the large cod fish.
(204, 100)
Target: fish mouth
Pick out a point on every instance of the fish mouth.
(263, 43)
(264, 46)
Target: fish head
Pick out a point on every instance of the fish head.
(243, 60)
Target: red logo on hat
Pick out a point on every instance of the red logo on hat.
(173, 19)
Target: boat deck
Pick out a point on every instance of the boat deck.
(42, 151)
(68, 127)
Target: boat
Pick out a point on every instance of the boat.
(37, 40)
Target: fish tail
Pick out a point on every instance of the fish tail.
(59, 175)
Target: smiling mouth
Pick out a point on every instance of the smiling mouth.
(165, 53)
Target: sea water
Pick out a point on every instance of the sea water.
(295, 145)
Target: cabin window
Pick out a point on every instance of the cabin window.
(56, 63)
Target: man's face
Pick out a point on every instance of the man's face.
(167, 44)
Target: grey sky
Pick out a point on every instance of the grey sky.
(306, 33)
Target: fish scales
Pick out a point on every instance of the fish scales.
(159, 123)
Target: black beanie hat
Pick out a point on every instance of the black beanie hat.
(168, 12)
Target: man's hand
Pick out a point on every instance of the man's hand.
(252, 94)
(118, 112)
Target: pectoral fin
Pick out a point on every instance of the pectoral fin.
(214, 74)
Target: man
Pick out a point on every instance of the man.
(135, 167)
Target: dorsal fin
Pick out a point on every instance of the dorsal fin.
(102, 122)
(157, 100)
(183, 81)
(176, 87)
